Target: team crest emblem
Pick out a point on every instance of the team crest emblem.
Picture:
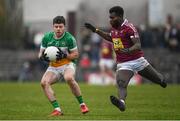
(63, 43)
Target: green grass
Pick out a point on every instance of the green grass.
(27, 102)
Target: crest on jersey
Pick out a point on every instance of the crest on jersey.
(63, 43)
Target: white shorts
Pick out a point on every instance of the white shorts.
(134, 65)
(59, 71)
(109, 63)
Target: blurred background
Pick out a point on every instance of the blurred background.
(23, 23)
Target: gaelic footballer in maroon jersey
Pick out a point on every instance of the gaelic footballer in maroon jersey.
(129, 56)
(121, 38)
(106, 51)
(106, 62)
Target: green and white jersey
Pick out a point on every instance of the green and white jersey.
(66, 43)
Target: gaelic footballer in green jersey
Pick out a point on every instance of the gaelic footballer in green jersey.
(64, 67)
(66, 43)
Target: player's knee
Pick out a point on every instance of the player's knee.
(71, 82)
(44, 83)
(69, 78)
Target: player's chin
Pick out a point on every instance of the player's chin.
(114, 26)
(59, 34)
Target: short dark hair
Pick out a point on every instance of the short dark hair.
(118, 10)
(59, 20)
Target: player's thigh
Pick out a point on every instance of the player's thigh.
(123, 77)
(69, 74)
(150, 73)
(49, 78)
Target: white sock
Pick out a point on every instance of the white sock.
(82, 104)
(122, 101)
(58, 109)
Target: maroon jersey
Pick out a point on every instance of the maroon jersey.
(121, 38)
(106, 50)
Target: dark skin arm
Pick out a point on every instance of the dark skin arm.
(106, 36)
(101, 33)
(135, 47)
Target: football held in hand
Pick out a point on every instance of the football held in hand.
(51, 53)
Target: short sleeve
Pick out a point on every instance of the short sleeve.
(132, 32)
(72, 43)
(44, 42)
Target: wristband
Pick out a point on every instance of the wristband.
(97, 30)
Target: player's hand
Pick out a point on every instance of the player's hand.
(60, 54)
(89, 26)
(44, 57)
(125, 50)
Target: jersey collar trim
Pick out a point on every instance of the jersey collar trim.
(60, 37)
(125, 21)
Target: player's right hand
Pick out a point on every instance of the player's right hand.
(60, 54)
(89, 26)
(44, 57)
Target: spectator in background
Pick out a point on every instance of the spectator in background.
(171, 34)
(37, 39)
(85, 64)
(146, 36)
(106, 62)
(94, 52)
(25, 72)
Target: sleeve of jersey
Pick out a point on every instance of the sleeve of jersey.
(133, 32)
(44, 42)
(72, 43)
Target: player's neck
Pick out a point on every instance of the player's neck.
(58, 36)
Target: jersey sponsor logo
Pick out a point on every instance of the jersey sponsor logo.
(117, 42)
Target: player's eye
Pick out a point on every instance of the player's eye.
(56, 27)
(111, 17)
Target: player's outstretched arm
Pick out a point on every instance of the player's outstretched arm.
(101, 33)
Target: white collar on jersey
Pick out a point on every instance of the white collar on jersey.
(125, 21)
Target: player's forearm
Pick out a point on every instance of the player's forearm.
(40, 53)
(135, 47)
(103, 34)
(72, 56)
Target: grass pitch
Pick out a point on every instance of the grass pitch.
(26, 101)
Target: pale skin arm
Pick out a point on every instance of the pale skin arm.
(41, 52)
(73, 55)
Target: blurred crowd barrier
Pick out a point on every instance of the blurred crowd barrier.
(161, 47)
(24, 66)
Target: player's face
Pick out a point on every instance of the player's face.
(115, 20)
(58, 29)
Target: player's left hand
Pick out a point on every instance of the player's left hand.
(60, 54)
(44, 57)
(89, 26)
(125, 50)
